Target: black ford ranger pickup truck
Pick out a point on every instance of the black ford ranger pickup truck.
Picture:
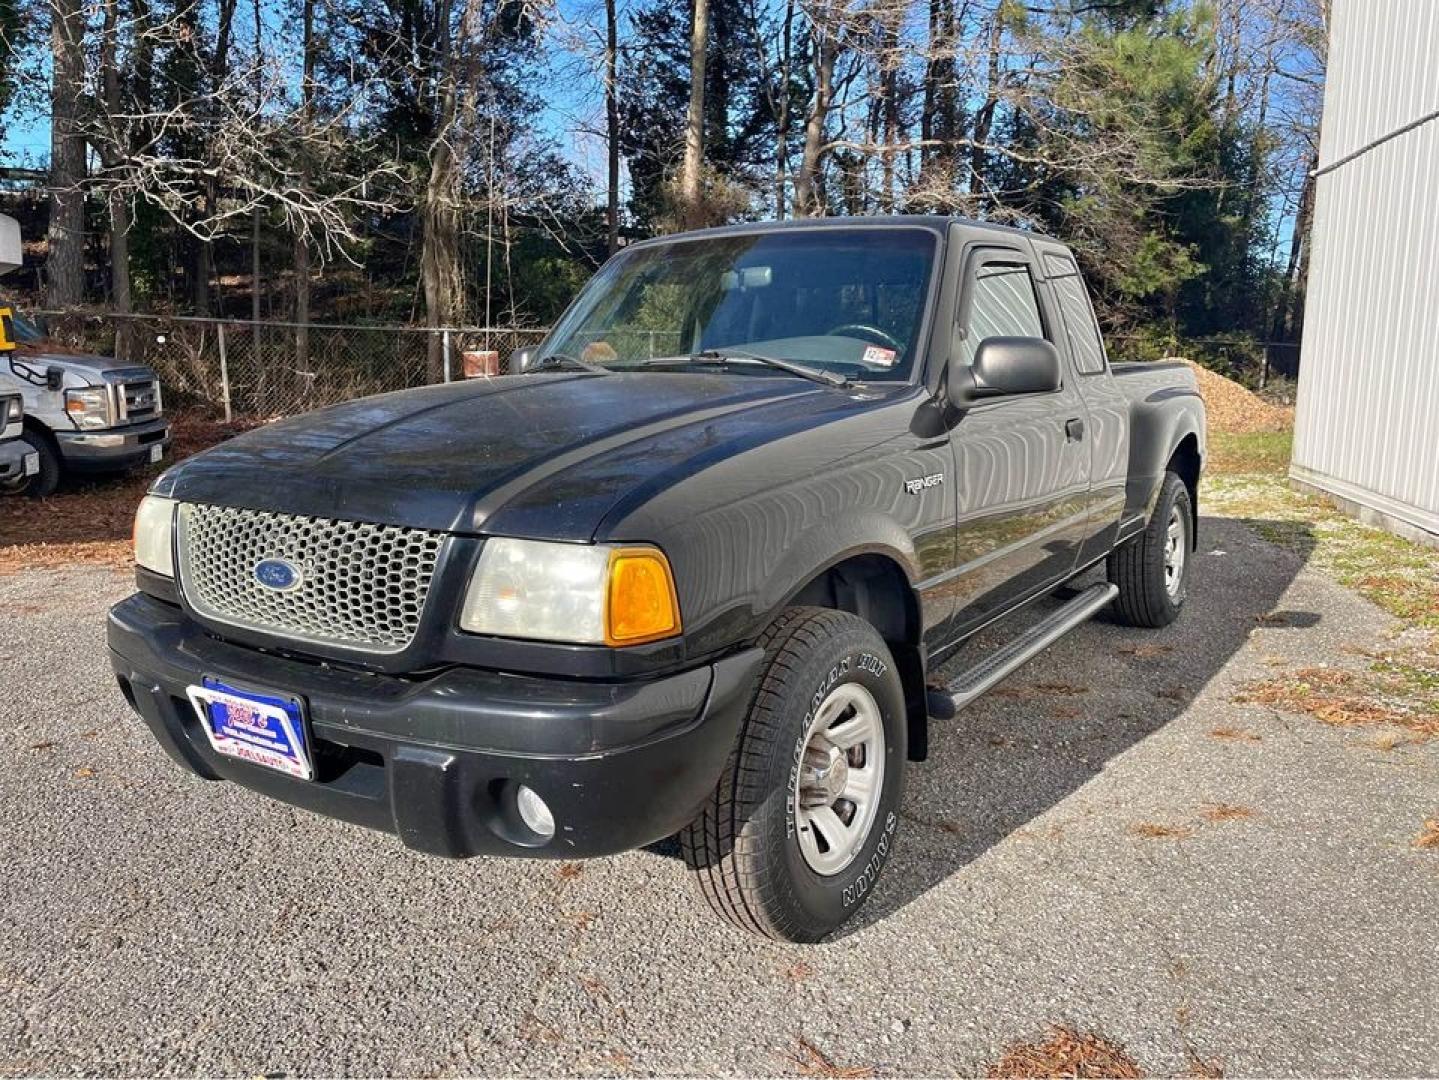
(686, 571)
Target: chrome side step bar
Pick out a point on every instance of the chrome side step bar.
(1006, 660)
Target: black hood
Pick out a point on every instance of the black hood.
(466, 456)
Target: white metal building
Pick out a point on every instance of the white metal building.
(1367, 425)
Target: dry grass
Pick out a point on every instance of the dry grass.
(1155, 830)
(1144, 651)
(810, 1060)
(1029, 691)
(569, 871)
(1391, 740)
(1234, 734)
(1064, 1052)
(797, 972)
(1225, 812)
(1428, 837)
(1400, 690)
(89, 522)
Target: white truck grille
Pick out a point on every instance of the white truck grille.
(140, 400)
(345, 583)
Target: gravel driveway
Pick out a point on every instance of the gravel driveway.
(1108, 842)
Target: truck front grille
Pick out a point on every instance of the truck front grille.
(140, 401)
(343, 583)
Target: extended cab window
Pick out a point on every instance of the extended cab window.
(1002, 303)
(1078, 316)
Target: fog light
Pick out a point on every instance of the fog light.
(534, 813)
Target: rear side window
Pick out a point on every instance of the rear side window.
(1002, 304)
(1078, 315)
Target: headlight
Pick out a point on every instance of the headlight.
(154, 533)
(14, 410)
(580, 593)
(89, 407)
(159, 401)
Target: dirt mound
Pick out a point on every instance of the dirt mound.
(1234, 409)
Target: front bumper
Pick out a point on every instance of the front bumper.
(436, 759)
(115, 449)
(17, 460)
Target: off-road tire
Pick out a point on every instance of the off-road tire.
(43, 483)
(742, 847)
(1138, 566)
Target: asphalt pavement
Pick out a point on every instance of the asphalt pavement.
(1064, 857)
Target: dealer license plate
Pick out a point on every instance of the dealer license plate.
(156, 453)
(262, 729)
(31, 464)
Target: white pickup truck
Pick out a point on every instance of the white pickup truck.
(17, 460)
(82, 414)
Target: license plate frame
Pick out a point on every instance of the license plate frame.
(263, 728)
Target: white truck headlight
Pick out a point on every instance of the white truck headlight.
(14, 410)
(154, 535)
(585, 594)
(89, 407)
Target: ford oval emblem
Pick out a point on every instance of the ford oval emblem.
(280, 575)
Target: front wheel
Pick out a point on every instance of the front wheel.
(804, 816)
(47, 479)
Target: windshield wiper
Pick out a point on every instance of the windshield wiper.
(559, 359)
(723, 356)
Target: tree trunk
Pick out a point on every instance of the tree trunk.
(807, 202)
(889, 89)
(781, 156)
(691, 174)
(984, 118)
(939, 122)
(205, 249)
(440, 272)
(65, 262)
(302, 244)
(255, 213)
(1290, 312)
(612, 125)
(120, 298)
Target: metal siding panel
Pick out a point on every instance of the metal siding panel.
(1368, 408)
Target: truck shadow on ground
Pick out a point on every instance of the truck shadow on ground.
(1054, 725)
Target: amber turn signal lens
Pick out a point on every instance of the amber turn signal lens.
(640, 603)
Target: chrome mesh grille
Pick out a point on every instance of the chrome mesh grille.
(360, 586)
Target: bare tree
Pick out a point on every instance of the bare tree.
(118, 205)
(612, 128)
(827, 26)
(302, 244)
(65, 264)
(691, 192)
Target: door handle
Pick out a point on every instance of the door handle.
(1074, 430)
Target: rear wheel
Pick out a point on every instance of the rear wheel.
(803, 819)
(1152, 570)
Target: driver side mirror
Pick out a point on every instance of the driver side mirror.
(54, 378)
(1004, 366)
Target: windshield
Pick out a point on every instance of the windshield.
(849, 301)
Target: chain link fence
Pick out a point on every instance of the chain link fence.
(269, 369)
